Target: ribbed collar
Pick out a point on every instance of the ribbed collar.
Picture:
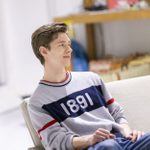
(58, 84)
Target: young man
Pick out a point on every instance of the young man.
(74, 110)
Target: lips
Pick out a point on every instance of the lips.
(66, 56)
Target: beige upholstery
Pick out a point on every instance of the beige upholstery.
(133, 94)
(34, 136)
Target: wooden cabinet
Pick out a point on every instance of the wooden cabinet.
(90, 18)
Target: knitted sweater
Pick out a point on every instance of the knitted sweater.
(77, 106)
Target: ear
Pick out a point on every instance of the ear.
(43, 51)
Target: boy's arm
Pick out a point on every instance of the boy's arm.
(113, 106)
(51, 133)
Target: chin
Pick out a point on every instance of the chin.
(66, 64)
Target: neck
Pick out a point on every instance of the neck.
(54, 74)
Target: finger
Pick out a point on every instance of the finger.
(134, 135)
(107, 136)
(129, 136)
(104, 131)
(99, 137)
(100, 133)
(112, 136)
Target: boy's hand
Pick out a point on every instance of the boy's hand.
(135, 135)
(100, 135)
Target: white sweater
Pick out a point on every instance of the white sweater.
(77, 106)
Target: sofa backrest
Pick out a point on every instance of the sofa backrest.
(134, 96)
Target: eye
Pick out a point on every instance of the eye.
(62, 44)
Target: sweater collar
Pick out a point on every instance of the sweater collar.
(58, 84)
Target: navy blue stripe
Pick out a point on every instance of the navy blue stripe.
(57, 111)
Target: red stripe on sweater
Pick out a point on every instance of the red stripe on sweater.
(110, 101)
(47, 125)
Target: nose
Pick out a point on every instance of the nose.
(69, 49)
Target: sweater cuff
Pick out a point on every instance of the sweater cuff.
(122, 121)
(70, 142)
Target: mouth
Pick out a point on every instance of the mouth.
(66, 56)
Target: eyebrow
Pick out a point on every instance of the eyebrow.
(63, 42)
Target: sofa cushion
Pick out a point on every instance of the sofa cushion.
(134, 96)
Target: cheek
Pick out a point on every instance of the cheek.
(57, 54)
(57, 57)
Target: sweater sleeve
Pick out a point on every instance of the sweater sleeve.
(53, 136)
(113, 106)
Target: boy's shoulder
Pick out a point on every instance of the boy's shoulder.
(37, 96)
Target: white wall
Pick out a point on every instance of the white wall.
(3, 74)
(63, 7)
(127, 37)
(21, 19)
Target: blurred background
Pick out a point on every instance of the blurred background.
(109, 37)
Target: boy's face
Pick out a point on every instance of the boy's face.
(60, 51)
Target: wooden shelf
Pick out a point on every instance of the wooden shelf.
(105, 16)
(90, 18)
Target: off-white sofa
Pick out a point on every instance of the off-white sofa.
(133, 94)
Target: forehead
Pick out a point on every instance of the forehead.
(61, 37)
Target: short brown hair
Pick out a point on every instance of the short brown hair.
(44, 35)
